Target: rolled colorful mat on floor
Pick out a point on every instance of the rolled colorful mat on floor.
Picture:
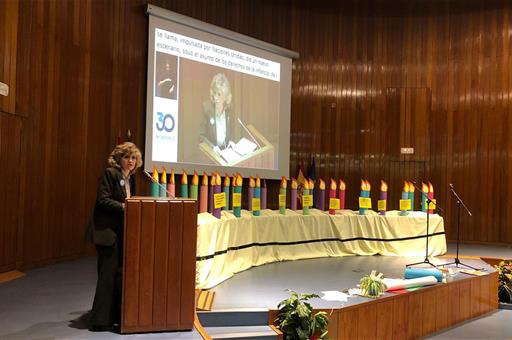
(395, 284)
(412, 273)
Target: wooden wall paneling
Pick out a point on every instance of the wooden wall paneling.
(8, 49)
(78, 92)
(10, 147)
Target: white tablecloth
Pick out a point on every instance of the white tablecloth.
(229, 245)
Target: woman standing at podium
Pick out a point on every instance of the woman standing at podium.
(107, 234)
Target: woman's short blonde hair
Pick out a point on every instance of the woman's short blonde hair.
(125, 149)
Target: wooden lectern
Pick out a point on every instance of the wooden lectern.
(159, 266)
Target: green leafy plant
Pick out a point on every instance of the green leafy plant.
(372, 285)
(296, 320)
(504, 269)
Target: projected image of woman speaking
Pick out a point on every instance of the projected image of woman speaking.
(220, 125)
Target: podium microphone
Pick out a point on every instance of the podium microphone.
(160, 185)
(249, 132)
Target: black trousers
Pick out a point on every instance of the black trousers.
(106, 308)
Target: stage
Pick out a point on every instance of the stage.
(52, 302)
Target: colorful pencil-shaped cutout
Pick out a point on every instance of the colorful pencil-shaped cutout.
(306, 198)
(293, 194)
(383, 197)
(411, 195)
(342, 188)
(194, 186)
(405, 202)
(225, 188)
(320, 198)
(203, 194)
(250, 193)
(171, 186)
(430, 196)
(256, 202)
(216, 191)
(163, 182)
(237, 196)
(364, 198)
(424, 196)
(263, 194)
(184, 184)
(155, 191)
(282, 196)
(333, 201)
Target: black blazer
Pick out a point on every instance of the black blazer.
(108, 216)
(209, 127)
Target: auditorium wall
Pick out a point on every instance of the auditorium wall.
(372, 77)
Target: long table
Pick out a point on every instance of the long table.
(230, 245)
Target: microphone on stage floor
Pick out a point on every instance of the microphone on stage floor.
(160, 185)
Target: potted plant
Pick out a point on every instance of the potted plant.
(372, 285)
(504, 269)
(296, 320)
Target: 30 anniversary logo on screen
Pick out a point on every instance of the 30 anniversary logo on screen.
(165, 122)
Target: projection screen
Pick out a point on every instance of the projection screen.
(216, 100)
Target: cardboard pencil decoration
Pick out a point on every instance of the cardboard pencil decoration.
(424, 196)
(163, 181)
(203, 194)
(364, 197)
(411, 195)
(383, 197)
(194, 186)
(342, 188)
(184, 184)
(311, 184)
(321, 195)
(237, 196)
(155, 191)
(213, 180)
(217, 197)
(225, 188)
(334, 203)
(306, 198)
(171, 186)
(263, 194)
(256, 201)
(430, 195)
(293, 194)
(405, 202)
(250, 193)
(282, 196)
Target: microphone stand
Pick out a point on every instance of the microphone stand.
(459, 204)
(160, 185)
(428, 201)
